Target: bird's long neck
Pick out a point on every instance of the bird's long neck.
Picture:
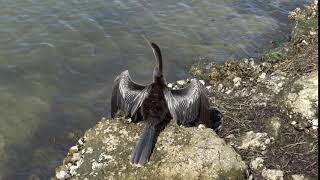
(157, 72)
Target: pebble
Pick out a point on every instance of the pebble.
(262, 76)
(74, 149)
(202, 82)
(257, 163)
(230, 136)
(73, 170)
(181, 82)
(62, 175)
(75, 157)
(89, 150)
(305, 42)
(80, 142)
(201, 126)
(315, 124)
(228, 92)
(237, 81)
(313, 33)
(252, 62)
(96, 165)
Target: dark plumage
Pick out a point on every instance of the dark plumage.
(155, 102)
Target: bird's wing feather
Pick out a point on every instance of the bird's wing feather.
(190, 103)
(127, 95)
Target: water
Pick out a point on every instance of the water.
(58, 60)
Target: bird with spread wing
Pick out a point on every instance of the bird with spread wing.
(154, 102)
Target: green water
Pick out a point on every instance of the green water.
(58, 60)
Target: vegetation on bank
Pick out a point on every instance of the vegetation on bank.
(252, 98)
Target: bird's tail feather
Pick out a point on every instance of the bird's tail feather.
(143, 149)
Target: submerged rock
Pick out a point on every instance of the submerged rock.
(182, 153)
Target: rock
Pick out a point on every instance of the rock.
(89, 150)
(80, 142)
(62, 175)
(74, 149)
(315, 123)
(237, 81)
(76, 157)
(62, 172)
(303, 96)
(251, 62)
(293, 123)
(272, 174)
(229, 91)
(255, 140)
(312, 33)
(181, 82)
(183, 153)
(220, 86)
(299, 177)
(261, 77)
(273, 125)
(298, 126)
(257, 163)
(275, 81)
(230, 136)
(202, 82)
(170, 85)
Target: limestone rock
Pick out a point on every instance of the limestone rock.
(303, 96)
(257, 163)
(272, 174)
(253, 140)
(180, 153)
(299, 177)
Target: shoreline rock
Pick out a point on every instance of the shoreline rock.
(180, 152)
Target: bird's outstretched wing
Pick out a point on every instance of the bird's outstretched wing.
(190, 103)
(127, 95)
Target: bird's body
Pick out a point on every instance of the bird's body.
(154, 108)
(155, 102)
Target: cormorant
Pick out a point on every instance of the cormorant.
(155, 102)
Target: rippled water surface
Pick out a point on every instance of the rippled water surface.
(58, 60)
